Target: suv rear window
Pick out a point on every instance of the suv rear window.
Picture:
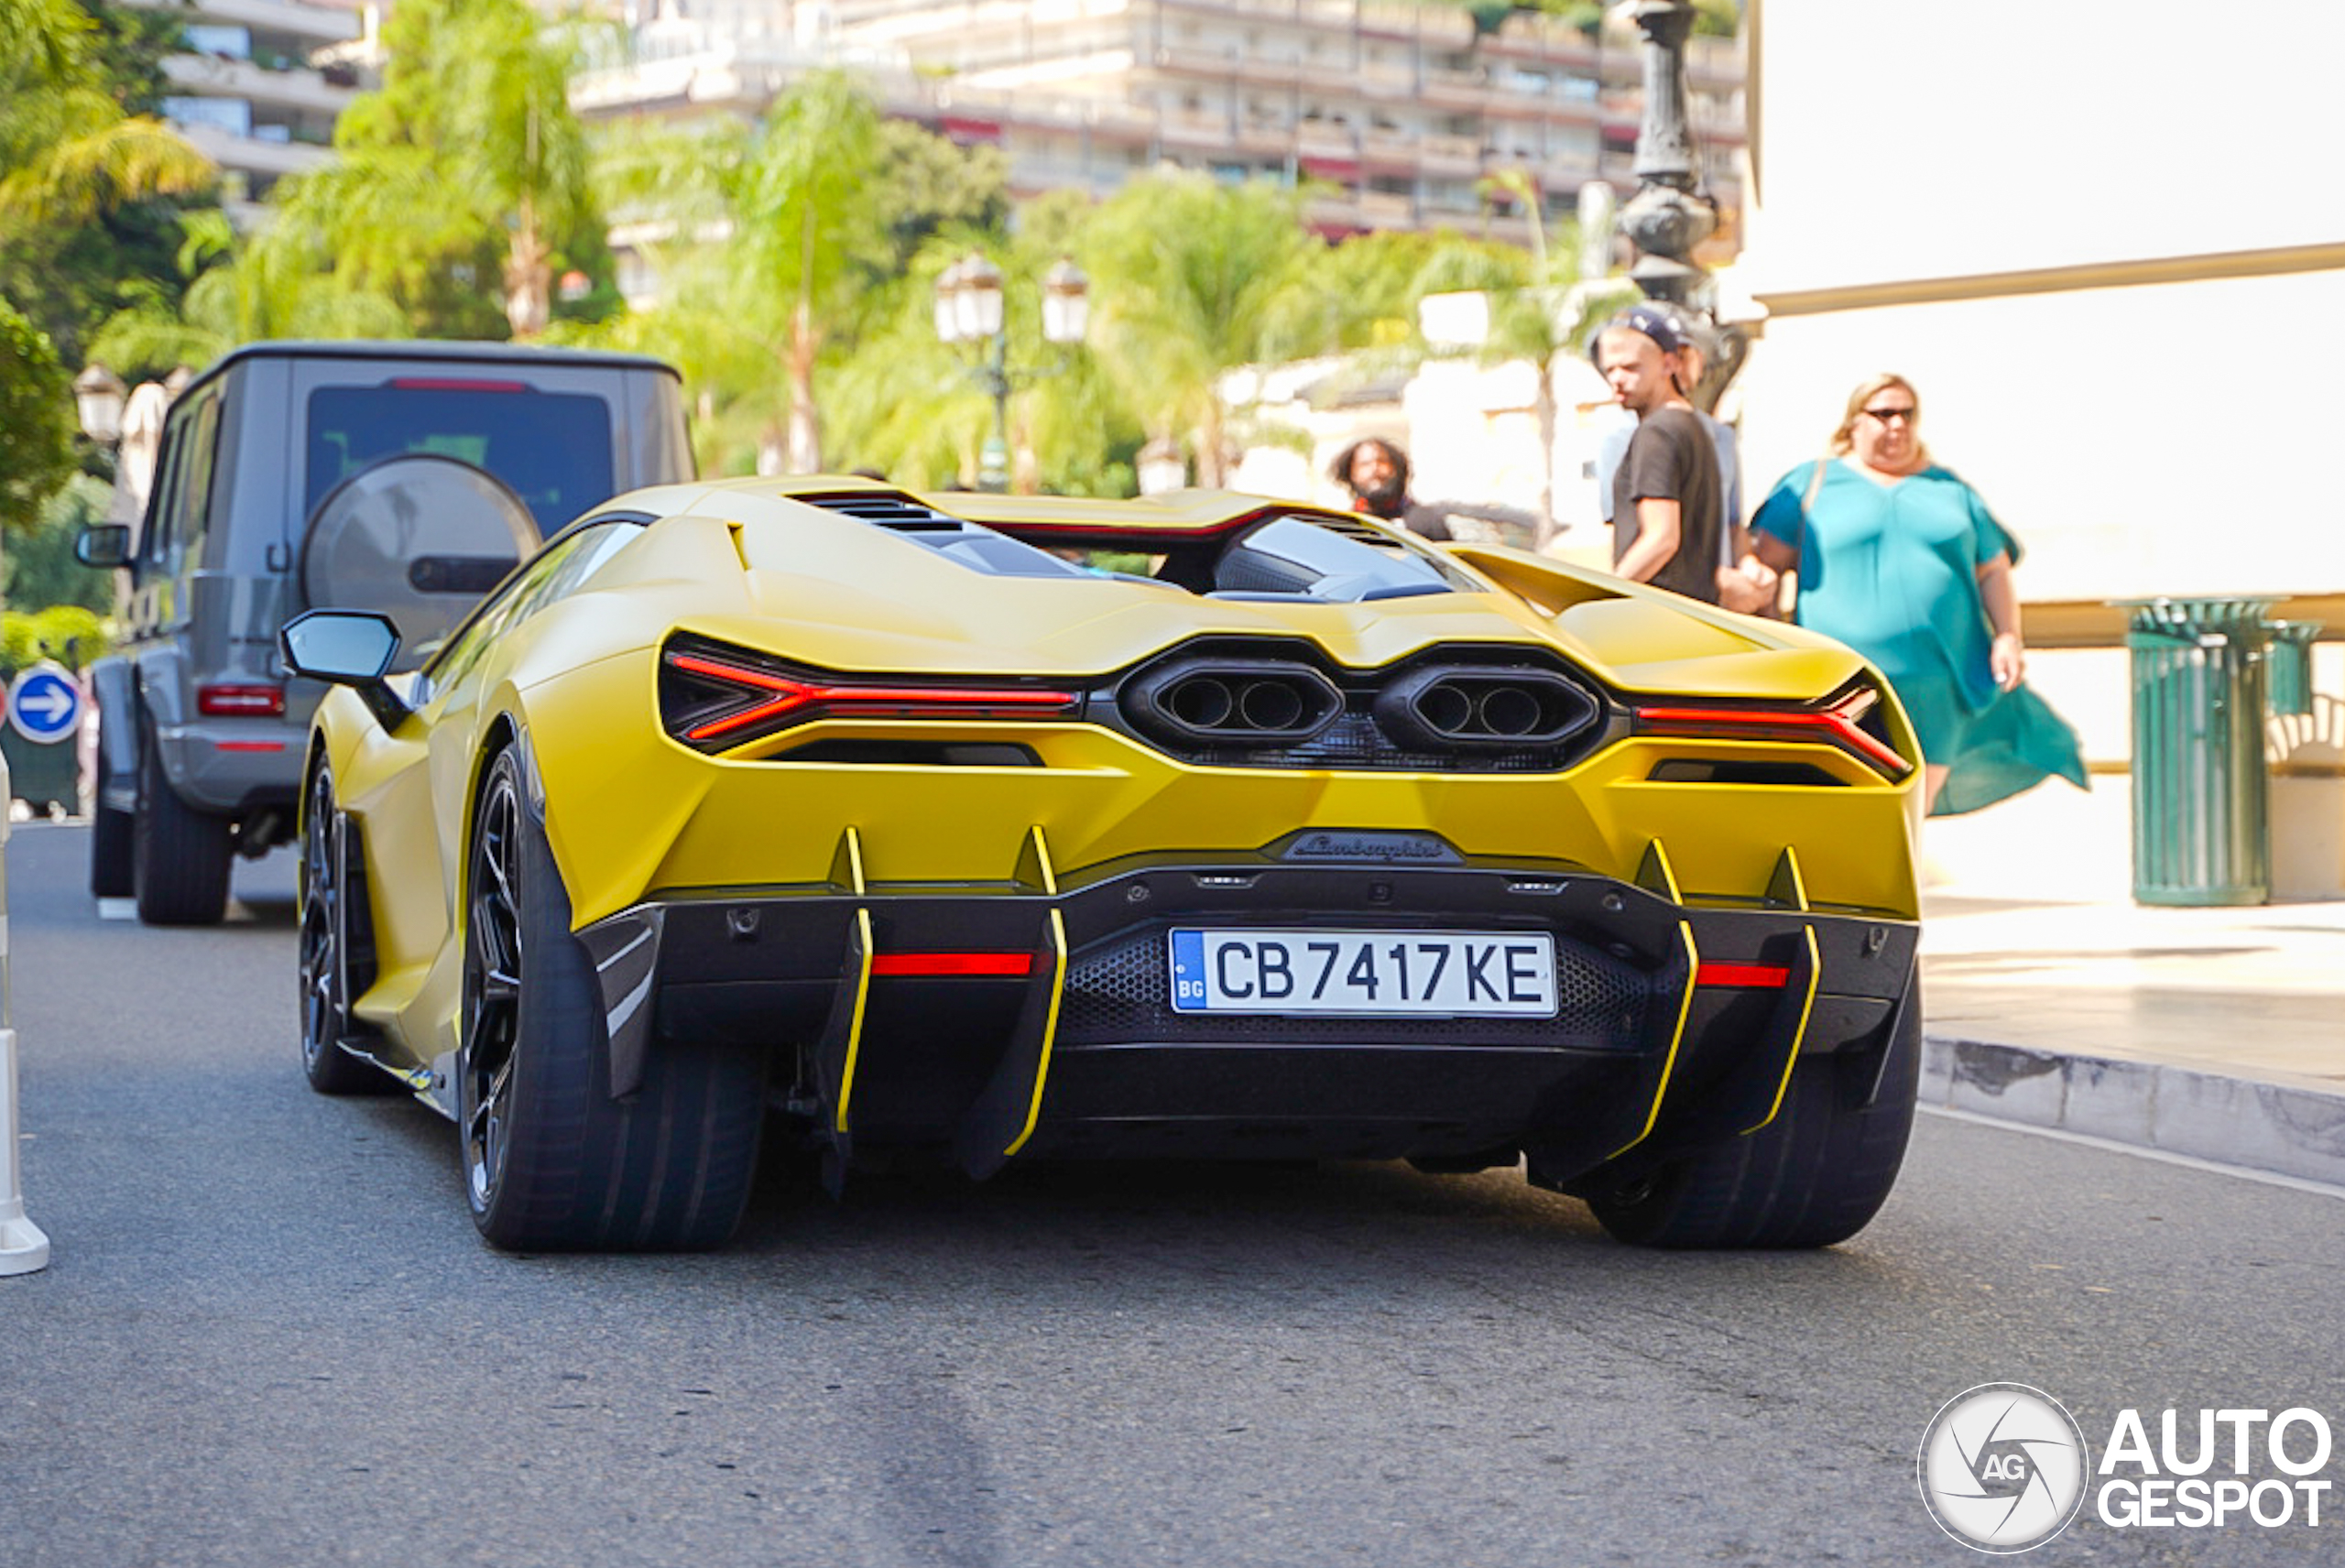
(551, 449)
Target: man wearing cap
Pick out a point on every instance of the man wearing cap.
(1667, 518)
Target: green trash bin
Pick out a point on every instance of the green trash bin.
(2290, 684)
(2202, 830)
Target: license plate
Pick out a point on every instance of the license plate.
(1498, 973)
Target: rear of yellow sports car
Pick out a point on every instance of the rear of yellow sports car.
(1013, 829)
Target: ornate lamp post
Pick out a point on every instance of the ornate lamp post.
(969, 309)
(1670, 214)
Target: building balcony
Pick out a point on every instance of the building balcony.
(1324, 138)
(1446, 89)
(1389, 149)
(255, 155)
(1452, 156)
(296, 91)
(312, 25)
(1194, 129)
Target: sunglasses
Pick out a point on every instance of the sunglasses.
(1885, 415)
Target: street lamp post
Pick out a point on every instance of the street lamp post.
(98, 399)
(1670, 213)
(970, 308)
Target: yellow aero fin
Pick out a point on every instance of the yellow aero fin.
(1787, 888)
(1050, 1029)
(1655, 875)
(1034, 869)
(846, 863)
(1804, 978)
(843, 1038)
(1010, 1107)
(1677, 1035)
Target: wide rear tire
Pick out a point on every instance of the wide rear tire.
(180, 855)
(552, 1163)
(1813, 1176)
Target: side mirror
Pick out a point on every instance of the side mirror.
(348, 647)
(102, 544)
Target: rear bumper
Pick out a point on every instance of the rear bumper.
(1675, 1026)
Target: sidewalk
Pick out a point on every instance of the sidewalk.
(2214, 1033)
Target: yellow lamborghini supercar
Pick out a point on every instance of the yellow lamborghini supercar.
(993, 828)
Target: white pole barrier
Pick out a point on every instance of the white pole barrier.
(22, 1248)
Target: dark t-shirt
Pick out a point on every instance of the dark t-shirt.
(1670, 458)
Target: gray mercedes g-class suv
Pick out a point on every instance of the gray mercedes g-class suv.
(406, 477)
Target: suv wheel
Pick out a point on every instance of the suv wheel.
(178, 855)
(110, 846)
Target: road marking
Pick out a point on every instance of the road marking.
(118, 908)
(2162, 1156)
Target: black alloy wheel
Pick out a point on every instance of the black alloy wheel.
(324, 952)
(492, 988)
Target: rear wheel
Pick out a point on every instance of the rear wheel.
(178, 855)
(552, 1162)
(1813, 1176)
(325, 952)
(110, 869)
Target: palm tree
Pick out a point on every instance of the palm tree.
(1194, 278)
(67, 151)
(1539, 307)
(468, 159)
(812, 231)
(272, 284)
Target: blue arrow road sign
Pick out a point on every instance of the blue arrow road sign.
(44, 703)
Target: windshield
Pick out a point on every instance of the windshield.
(550, 448)
(1322, 559)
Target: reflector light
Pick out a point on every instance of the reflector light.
(1833, 725)
(789, 698)
(1751, 976)
(1015, 965)
(240, 702)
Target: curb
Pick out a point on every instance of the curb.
(2282, 1128)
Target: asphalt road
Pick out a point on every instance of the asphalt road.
(270, 1337)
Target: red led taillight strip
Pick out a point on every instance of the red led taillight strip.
(1834, 725)
(1749, 977)
(960, 965)
(790, 695)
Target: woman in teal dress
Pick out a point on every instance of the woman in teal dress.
(1901, 561)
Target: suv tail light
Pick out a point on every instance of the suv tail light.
(1839, 722)
(713, 698)
(240, 702)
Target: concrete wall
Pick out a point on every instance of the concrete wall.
(2107, 243)
(2138, 440)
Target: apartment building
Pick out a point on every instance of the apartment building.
(260, 84)
(1392, 113)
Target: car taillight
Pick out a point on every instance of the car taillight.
(716, 697)
(248, 701)
(1838, 723)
